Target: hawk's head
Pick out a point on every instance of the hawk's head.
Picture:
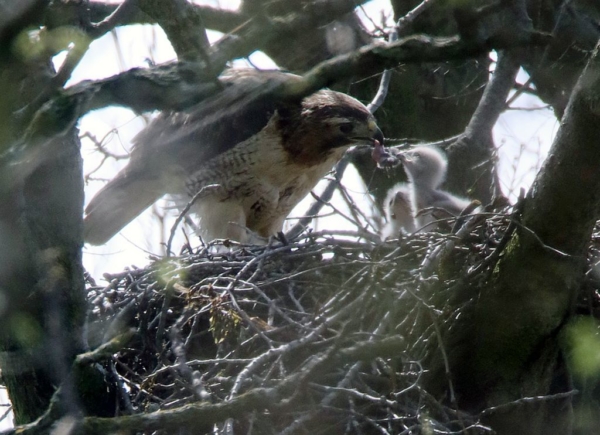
(326, 121)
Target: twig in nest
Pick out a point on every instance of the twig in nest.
(185, 210)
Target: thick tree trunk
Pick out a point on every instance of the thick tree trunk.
(41, 239)
(507, 344)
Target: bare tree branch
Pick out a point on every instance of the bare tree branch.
(178, 86)
(475, 149)
(183, 25)
(118, 16)
(493, 101)
(222, 20)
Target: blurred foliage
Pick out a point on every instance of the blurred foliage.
(583, 343)
(37, 44)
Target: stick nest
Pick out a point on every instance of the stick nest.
(332, 332)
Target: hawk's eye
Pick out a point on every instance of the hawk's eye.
(346, 127)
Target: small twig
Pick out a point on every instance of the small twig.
(99, 147)
(355, 393)
(357, 214)
(528, 400)
(432, 260)
(316, 206)
(6, 413)
(120, 15)
(508, 234)
(245, 315)
(411, 16)
(106, 350)
(122, 391)
(522, 89)
(442, 347)
(162, 315)
(273, 306)
(272, 353)
(184, 212)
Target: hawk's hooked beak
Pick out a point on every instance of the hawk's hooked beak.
(378, 135)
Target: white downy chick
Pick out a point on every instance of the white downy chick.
(398, 211)
(426, 167)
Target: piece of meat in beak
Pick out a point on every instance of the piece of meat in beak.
(384, 157)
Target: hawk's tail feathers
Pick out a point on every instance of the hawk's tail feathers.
(117, 204)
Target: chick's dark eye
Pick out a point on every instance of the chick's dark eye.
(346, 127)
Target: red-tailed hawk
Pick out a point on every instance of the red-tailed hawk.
(426, 167)
(252, 153)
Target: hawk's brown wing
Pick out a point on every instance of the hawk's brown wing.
(248, 100)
